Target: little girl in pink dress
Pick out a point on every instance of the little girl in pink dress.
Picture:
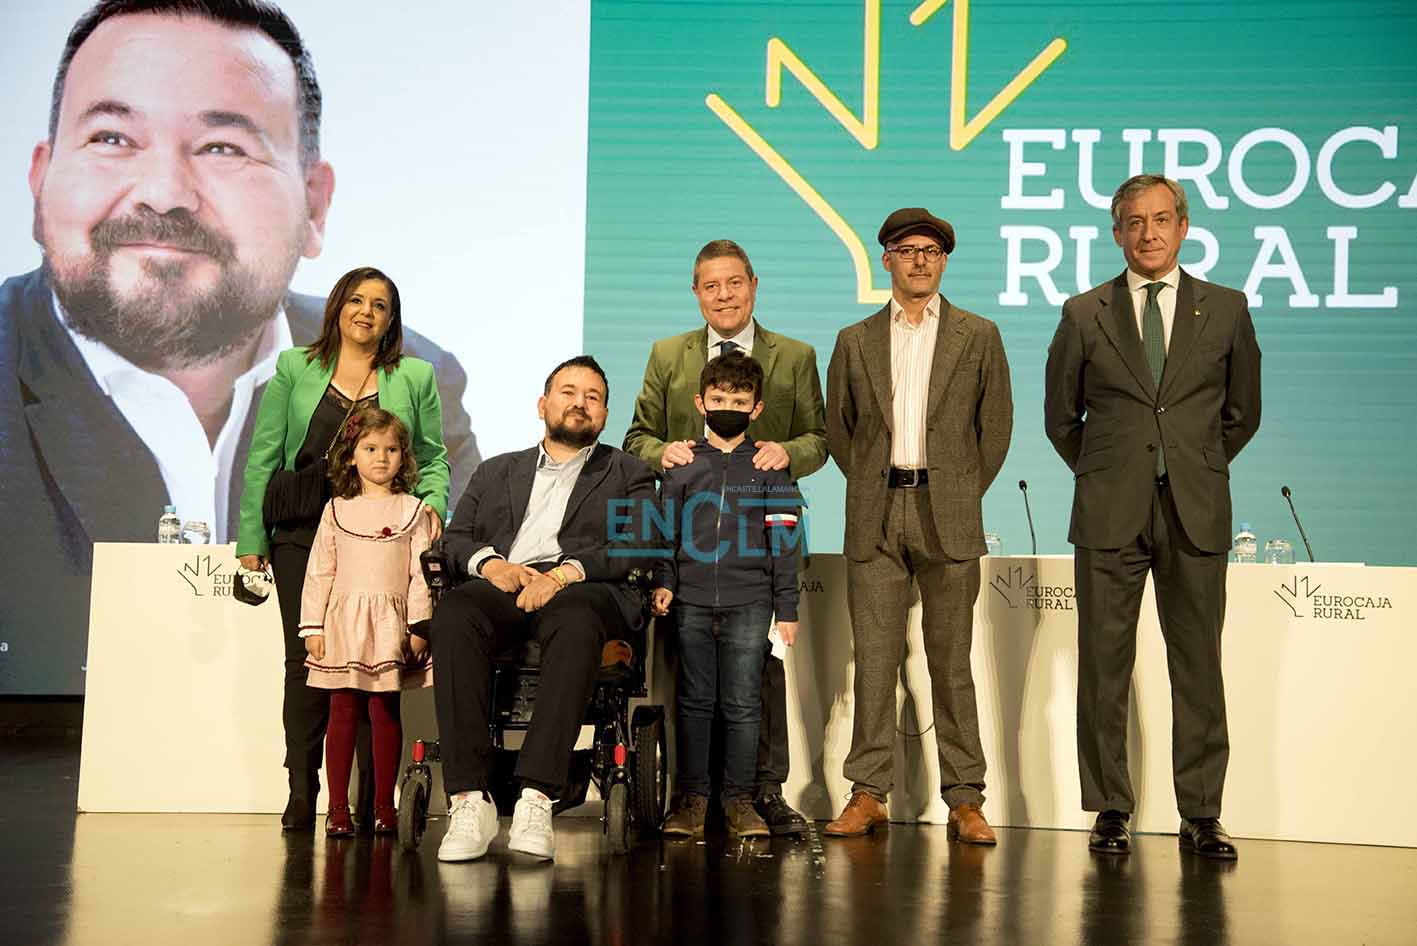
(365, 604)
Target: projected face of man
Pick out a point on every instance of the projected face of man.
(172, 204)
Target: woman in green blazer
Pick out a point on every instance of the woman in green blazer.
(358, 358)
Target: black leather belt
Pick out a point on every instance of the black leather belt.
(899, 478)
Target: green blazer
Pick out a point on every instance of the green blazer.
(793, 414)
(410, 392)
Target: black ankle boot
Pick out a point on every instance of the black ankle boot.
(299, 814)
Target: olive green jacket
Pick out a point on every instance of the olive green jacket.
(793, 413)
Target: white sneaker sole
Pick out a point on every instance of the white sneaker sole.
(532, 847)
(452, 854)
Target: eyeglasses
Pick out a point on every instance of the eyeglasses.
(907, 253)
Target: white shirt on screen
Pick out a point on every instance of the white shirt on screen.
(1165, 300)
(912, 355)
(196, 473)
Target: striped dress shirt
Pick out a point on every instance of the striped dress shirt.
(912, 354)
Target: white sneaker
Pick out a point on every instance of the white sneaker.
(472, 824)
(531, 826)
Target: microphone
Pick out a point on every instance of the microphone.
(1023, 485)
(1284, 491)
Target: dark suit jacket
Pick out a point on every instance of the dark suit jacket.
(1106, 417)
(969, 421)
(73, 472)
(601, 528)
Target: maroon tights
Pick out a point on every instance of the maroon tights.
(346, 707)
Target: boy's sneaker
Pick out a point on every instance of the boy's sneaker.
(686, 820)
(472, 824)
(743, 820)
(531, 826)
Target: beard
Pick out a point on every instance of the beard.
(579, 438)
(162, 323)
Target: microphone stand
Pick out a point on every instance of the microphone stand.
(1023, 485)
(1284, 491)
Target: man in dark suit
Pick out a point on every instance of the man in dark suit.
(172, 203)
(1152, 389)
(919, 416)
(790, 435)
(536, 534)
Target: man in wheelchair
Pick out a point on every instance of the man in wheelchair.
(535, 533)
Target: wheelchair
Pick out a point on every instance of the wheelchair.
(628, 761)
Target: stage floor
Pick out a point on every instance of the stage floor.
(226, 880)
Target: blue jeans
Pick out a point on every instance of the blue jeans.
(721, 654)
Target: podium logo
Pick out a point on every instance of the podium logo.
(1023, 591)
(1306, 599)
(205, 577)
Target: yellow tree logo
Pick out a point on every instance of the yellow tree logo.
(866, 128)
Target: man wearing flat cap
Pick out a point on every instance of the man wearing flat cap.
(919, 414)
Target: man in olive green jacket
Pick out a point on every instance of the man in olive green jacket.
(790, 434)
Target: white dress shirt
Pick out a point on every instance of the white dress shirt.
(538, 537)
(912, 355)
(744, 340)
(1165, 300)
(197, 473)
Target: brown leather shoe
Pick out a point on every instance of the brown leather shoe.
(967, 825)
(743, 820)
(687, 818)
(860, 816)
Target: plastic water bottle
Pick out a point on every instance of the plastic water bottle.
(993, 545)
(196, 532)
(169, 527)
(1245, 544)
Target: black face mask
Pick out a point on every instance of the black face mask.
(728, 424)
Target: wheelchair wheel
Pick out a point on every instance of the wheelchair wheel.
(650, 766)
(413, 812)
(617, 818)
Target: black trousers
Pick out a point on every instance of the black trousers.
(773, 757)
(305, 710)
(1190, 600)
(477, 621)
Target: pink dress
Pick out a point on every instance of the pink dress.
(364, 587)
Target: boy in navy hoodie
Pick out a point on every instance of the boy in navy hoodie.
(732, 564)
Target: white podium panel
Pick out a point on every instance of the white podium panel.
(182, 711)
(183, 690)
(182, 705)
(1317, 664)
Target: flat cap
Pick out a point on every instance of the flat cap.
(908, 220)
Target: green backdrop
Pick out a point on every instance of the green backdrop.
(1307, 112)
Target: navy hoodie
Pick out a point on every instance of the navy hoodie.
(732, 532)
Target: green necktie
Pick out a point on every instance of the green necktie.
(1153, 339)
